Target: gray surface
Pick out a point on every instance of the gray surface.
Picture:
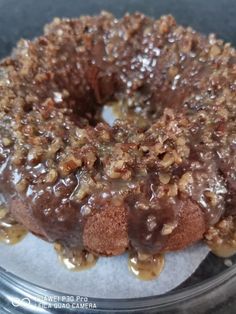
(25, 18)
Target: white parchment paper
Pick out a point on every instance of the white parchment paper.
(36, 261)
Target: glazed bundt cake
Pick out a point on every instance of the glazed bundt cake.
(154, 181)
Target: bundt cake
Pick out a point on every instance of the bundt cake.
(154, 181)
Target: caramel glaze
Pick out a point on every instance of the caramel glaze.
(60, 164)
(146, 267)
(221, 238)
(75, 259)
(11, 232)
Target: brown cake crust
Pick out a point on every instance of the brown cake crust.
(191, 227)
(106, 232)
(158, 178)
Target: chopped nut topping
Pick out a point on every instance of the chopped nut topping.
(212, 197)
(22, 185)
(168, 160)
(6, 141)
(51, 176)
(185, 181)
(221, 238)
(215, 51)
(35, 155)
(168, 228)
(69, 164)
(172, 190)
(164, 177)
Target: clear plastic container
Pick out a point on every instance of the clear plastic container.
(213, 286)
